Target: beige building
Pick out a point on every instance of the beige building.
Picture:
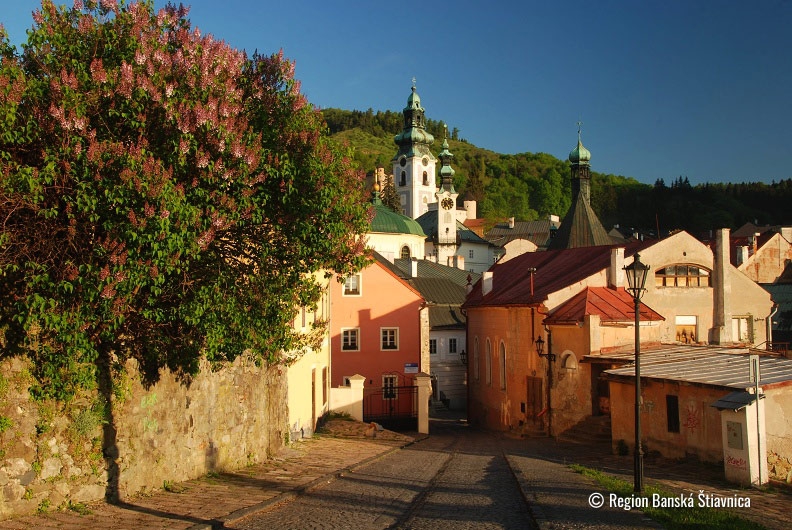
(308, 375)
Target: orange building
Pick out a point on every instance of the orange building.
(378, 329)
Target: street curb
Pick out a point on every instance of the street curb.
(293, 494)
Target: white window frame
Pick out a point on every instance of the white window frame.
(347, 291)
(452, 345)
(394, 341)
(389, 383)
(344, 340)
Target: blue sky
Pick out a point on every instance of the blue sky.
(669, 88)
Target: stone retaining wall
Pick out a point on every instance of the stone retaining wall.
(51, 454)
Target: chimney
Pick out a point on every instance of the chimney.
(742, 254)
(414, 268)
(511, 222)
(469, 286)
(721, 289)
(616, 271)
(786, 233)
(460, 262)
(470, 208)
(755, 242)
(487, 280)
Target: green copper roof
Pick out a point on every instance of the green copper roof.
(446, 171)
(414, 140)
(386, 221)
(579, 155)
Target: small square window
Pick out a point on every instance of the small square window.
(452, 345)
(352, 285)
(390, 338)
(470, 253)
(350, 339)
(432, 345)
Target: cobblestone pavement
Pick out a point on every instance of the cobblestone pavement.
(455, 478)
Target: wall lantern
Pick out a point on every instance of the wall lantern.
(540, 348)
(463, 357)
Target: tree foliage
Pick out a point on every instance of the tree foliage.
(162, 196)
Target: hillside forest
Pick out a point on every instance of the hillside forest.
(530, 186)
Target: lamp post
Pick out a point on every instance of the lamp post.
(636, 279)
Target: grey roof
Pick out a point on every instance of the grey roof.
(706, 365)
(735, 400)
(537, 232)
(580, 228)
(431, 269)
(446, 317)
(428, 222)
(439, 290)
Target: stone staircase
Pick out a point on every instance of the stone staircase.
(594, 429)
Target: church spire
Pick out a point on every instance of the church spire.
(446, 171)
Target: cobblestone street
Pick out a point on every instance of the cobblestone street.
(456, 478)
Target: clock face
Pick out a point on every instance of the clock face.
(425, 161)
(447, 203)
(403, 161)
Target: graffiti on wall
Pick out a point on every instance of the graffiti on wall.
(693, 418)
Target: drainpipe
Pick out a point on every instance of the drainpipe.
(769, 327)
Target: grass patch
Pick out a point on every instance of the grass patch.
(675, 518)
(77, 507)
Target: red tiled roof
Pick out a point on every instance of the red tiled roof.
(555, 269)
(612, 305)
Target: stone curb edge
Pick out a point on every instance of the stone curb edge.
(290, 495)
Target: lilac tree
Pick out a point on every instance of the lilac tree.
(162, 196)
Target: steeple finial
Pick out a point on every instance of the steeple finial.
(413, 83)
(579, 123)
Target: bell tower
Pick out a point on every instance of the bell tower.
(414, 164)
(446, 196)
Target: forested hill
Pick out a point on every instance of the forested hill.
(530, 186)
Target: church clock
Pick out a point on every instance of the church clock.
(447, 203)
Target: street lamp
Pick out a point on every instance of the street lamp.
(636, 279)
(540, 347)
(463, 357)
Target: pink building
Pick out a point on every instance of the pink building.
(377, 330)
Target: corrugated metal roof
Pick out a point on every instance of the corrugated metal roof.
(706, 365)
(612, 305)
(555, 270)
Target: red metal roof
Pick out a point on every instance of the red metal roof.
(555, 270)
(612, 305)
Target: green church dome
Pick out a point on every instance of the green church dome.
(386, 221)
(579, 154)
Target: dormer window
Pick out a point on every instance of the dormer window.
(682, 276)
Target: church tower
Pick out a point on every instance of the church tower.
(446, 195)
(414, 164)
(581, 227)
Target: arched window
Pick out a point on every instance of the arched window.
(405, 252)
(425, 178)
(682, 275)
(403, 179)
(476, 359)
(488, 363)
(502, 366)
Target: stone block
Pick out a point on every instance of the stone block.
(51, 467)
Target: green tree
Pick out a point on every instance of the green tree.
(164, 197)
